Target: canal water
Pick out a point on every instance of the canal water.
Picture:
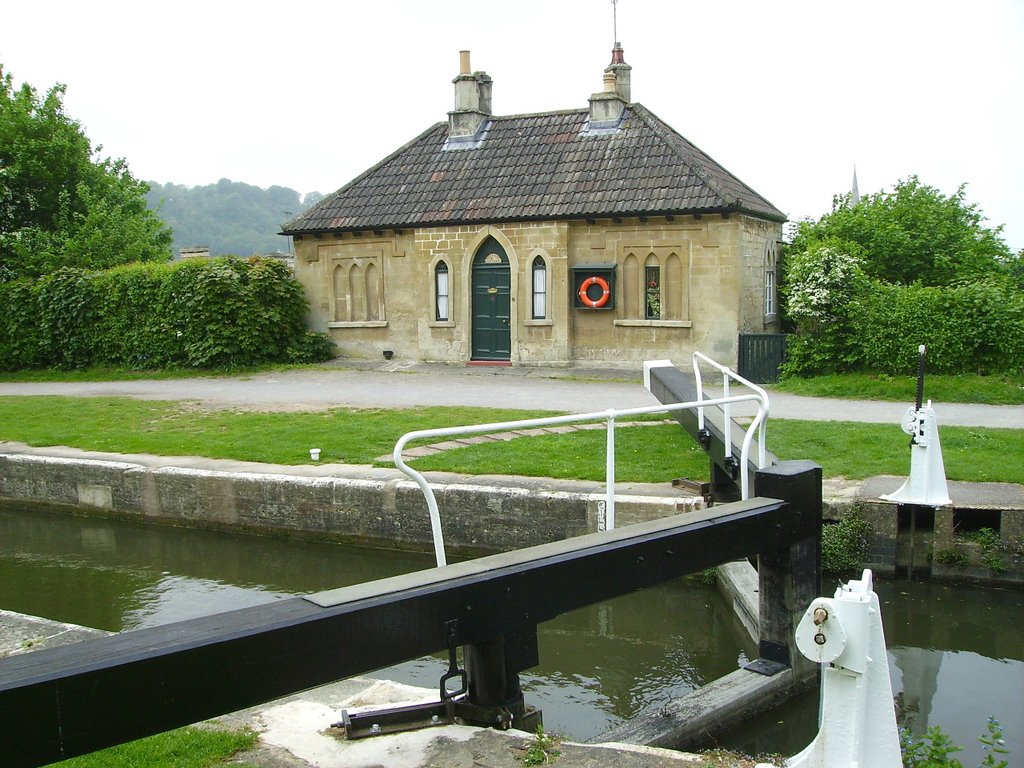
(956, 654)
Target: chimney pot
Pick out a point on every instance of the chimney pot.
(464, 67)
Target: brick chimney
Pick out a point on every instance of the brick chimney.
(621, 71)
(472, 100)
(606, 106)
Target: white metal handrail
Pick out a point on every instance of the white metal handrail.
(759, 421)
(609, 416)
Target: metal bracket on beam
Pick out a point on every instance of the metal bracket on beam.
(411, 717)
(732, 466)
(360, 725)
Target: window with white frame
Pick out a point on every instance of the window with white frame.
(770, 274)
(540, 289)
(441, 292)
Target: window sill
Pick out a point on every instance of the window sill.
(654, 323)
(441, 324)
(359, 324)
(538, 322)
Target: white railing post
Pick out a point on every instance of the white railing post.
(428, 495)
(700, 391)
(727, 415)
(609, 473)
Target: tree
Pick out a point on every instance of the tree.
(914, 234)
(60, 206)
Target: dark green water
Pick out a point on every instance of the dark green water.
(956, 653)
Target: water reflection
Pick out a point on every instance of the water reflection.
(117, 575)
(956, 657)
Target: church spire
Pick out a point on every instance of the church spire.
(854, 192)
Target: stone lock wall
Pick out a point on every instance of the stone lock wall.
(383, 509)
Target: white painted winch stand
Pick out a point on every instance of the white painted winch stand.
(926, 485)
(927, 482)
(857, 719)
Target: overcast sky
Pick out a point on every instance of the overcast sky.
(788, 96)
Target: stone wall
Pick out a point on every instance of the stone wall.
(375, 290)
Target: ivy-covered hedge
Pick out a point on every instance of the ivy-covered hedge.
(975, 327)
(217, 313)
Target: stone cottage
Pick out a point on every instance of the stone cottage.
(594, 236)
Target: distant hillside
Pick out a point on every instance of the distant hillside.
(230, 217)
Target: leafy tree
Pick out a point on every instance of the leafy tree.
(59, 205)
(914, 234)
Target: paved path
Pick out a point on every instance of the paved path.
(397, 385)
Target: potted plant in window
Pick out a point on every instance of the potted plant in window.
(653, 300)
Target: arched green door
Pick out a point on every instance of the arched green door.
(492, 335)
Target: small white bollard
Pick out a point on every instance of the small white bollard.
(314, 454)
(857, 721)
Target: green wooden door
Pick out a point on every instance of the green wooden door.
(492, 335)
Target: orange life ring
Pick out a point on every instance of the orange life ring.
(605, 292)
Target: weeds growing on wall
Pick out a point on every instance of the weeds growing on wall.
(844, 545)
(216, 313)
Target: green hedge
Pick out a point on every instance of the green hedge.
(973, 327)
(217, 313)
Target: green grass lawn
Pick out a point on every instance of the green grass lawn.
(993, 390)
(183, 748)
(165, 428)
(359, 436)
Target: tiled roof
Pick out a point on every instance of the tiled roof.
(535, 167)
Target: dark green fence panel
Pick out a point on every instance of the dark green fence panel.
(760, 356)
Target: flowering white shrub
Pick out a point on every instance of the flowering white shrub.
(821, 283)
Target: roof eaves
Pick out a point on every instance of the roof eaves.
(597, 213)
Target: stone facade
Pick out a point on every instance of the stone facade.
(375, 291)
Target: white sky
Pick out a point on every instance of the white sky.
(788, 96)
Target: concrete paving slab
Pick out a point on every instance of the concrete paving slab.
(301, 731)
(21, 634)
(1002, 496)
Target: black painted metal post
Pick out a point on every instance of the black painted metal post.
(723, 484)
(790, 577)
(495, 697)
(491, 683)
